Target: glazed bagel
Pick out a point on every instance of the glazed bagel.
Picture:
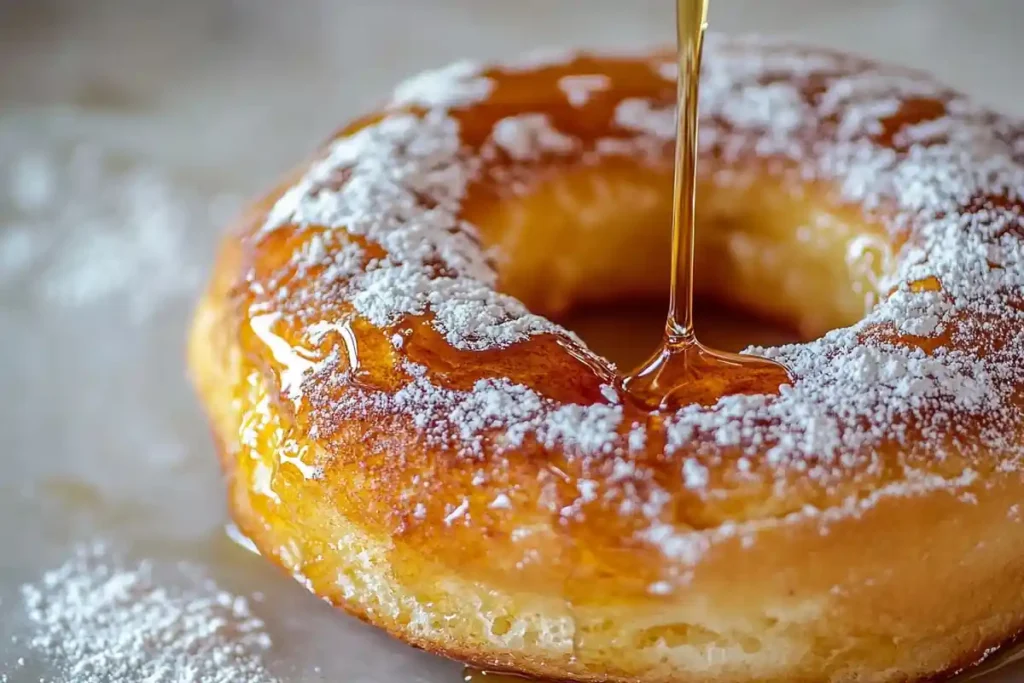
(406, 433)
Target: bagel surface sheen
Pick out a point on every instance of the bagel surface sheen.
(406, 433)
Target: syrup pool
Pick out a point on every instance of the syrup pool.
(626, 333)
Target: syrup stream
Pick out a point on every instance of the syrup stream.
(684, 371)
(691, 25)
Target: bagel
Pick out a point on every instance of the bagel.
(405, 430)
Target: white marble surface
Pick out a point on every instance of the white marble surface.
(100, 436)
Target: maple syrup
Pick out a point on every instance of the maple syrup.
(471, 675)
(721, 327)
(684, 371)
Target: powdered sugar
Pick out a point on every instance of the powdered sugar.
(99, 619)
(644, 116)
(529, 137)
(540, 58)
(578, 89)
(91, 230)
(458, 84)
(32, 182)
(19, 246)
(397, 164)
(945, 185)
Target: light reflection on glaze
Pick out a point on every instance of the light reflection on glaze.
(319, 330)
(286, 456)
(471, 675)
(239, 538)
(262, 480)
(869, 259)
(997, 660)
(294, 365)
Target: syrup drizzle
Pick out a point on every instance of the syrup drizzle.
(471, 675)
(683, 371)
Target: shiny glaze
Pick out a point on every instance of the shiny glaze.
(471, 675)
(558, 368)
(376, 503)
(413, 498)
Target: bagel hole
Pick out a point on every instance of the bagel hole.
(627, 334)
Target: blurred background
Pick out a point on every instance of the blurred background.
(243, 87)
(131, 130)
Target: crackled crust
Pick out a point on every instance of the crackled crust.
(441, 460)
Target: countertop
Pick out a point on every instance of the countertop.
(129, 133)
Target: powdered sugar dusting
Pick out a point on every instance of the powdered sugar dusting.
(91, 230)
(541, 58)
(394, 168)
(932, 368)
(529, 137)
(578, 89)
(459, 84)
(644, 116)
(99, 618)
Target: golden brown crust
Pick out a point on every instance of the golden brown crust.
(700, 557)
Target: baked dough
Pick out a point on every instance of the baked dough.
(405, 432)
